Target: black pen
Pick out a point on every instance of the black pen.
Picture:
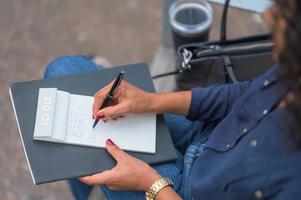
(111, 93)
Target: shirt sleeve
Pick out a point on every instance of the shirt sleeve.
(215, 102)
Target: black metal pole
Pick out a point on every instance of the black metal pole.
(223, 29)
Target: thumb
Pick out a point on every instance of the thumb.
(112, 111)
(114, 150)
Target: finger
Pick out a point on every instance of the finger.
(113, 111)
(114, 150)
(97, 179)
(115, 118)
(98, 100)
(96, 105)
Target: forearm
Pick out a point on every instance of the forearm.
(175, 102)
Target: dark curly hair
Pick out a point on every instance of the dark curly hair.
(286, 26)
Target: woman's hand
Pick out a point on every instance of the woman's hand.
(127, 99)
(130, 99)
(128, 174)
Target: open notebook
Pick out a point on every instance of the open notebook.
(67, 118)
(52, 161)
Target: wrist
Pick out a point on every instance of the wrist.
(153, 103)
(157, 187)
(151, 179)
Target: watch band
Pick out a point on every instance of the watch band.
(152, 192)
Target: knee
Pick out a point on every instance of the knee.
(66, 65)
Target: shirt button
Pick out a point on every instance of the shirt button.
(228, 145)
(265, 112)
(266, 83)
(258, 194)
(253, 143)
(245, 130)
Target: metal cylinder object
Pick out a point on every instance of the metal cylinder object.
(190, 21)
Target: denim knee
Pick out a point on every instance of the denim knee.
(182, 130)
(72, 64)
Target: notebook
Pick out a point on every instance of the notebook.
(50, 161)
(67, 118)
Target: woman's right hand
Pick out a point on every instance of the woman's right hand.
(128, 99)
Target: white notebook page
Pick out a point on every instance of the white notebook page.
(73, 125)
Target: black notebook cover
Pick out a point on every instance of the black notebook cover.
(52, 161)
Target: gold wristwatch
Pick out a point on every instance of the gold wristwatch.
(152, 192)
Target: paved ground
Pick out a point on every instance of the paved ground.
(34, 32)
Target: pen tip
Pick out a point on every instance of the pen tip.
(122, 72)
(95, 122)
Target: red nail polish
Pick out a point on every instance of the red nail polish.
(110, 142)
(100, 116)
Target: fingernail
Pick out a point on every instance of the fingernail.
(110, 142)
(100, 116)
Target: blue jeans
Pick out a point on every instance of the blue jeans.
(187, 137)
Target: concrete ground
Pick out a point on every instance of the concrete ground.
(32, 33)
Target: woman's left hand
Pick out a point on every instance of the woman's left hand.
(128, 174)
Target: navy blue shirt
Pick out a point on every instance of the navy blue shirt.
(249, 155)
